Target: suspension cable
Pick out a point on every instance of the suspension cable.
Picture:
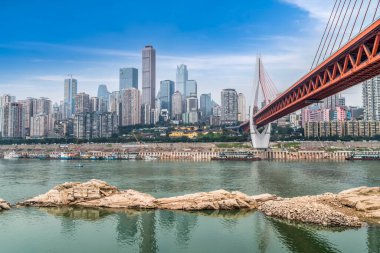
(377, 6)
(349, 19)
(356, 19)
(332, 35)
(328, 33)
(320, 43)
(340, 27)
(365, 15)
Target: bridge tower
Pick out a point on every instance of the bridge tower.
(263, 90)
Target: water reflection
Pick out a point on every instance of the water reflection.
(127, 227)
(300, 238)
(148, 232)
(75, 213)
(373, 239)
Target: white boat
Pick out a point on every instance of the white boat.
(150, 158)
(12, 155)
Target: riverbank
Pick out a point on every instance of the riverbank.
(350, 208)
(191, 151)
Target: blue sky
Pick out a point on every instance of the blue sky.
(43, 41)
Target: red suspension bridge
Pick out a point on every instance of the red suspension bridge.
(356, 61)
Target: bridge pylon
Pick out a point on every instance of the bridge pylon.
(263, 90)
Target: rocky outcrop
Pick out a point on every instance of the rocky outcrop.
(215, 200)
(94, 193)
(348, 208)
(4, 205)
(364, 200)
(310, 209)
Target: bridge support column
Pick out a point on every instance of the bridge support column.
(260, 140)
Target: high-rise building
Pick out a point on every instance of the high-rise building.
(165, 95)
(333, 101)
(192, 104)
(5, 99)
(371, 99)
(39, 126)
(176, 106)
(229, 113)
(128, 78)
(205, 106)
(191, 114)
(70, 90)
(14, 123)
(114, 102)
(103, 92)
(191, 88)
(241, 108)
(149, 76)
(130, 107)
(181, 78)
(82, 103)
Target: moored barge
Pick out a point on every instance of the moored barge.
(367, 156)
(236, 156)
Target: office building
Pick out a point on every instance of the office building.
(181, 78)
(165, 95)
(70, 90)
(128, 78)
(191, 88)
(149, 76)
(205, 106)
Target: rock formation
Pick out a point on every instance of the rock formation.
(94, 193)
(4, 205)
(348, 208)
(310, 209)
(364, 200)
(215, 200)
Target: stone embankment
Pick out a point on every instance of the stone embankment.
(4, 205)
(349, 208)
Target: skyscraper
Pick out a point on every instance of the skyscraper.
(229, 112)
(177, 106)
(191, 88)
(205, 106)
(181, 78)
(70, 90)
(371, 99)
(241, 108)
(165, 95)
(191, 115)
(149, 76)
(130, 107)
(128, 78)
(103, 91)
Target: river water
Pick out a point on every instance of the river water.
(90, 230)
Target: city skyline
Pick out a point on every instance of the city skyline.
(215, 59)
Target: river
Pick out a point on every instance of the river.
(91, 230)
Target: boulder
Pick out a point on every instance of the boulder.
(128, 199)
(309, 209)
(94, 193)
(365, 200)
(4, 205)
(215, 200)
